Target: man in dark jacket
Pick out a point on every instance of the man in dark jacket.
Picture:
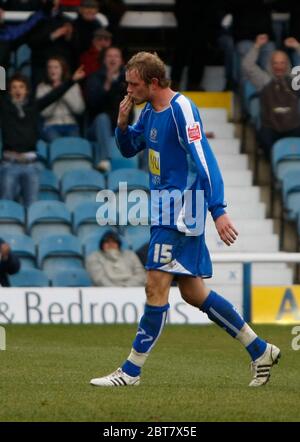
(12, 36)
(9, 263)
(84, 27)
(104, 91)
(51, 36)
(19, 115)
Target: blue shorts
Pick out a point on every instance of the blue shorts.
(174, 252)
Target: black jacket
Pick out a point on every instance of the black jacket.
(19, 133)
(9, 266)
(98, 100)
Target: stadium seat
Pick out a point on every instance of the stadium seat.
(49, 187)
(12, 217)
(29, 278)
(59, 252)
(121, 163)
(285, 156)
(42, 151)
(48, 218)
(68, 153)
(85, 220)
(80, 186)
(135, 179)
(23, 246)
(136, 236)
(23, 60)
(71, 278)
(291, 193)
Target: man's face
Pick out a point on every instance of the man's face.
(113, 59)
(279, 64)
(101, 43)
(110, 244)
(136, 87)
(18, 90)
(88, 14)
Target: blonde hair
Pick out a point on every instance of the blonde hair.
(149, 66)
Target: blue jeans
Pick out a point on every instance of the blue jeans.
(54, 131)
(18, 179)
(101, 132)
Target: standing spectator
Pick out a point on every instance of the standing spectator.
(9, 263)
(280, 115)
(190, 47)
(91, 59)
(52, 36)
(84, 27)
(12, 36)
(110, 266)
(20, 116)
(60, 117)
(104, 91)
(241, 26)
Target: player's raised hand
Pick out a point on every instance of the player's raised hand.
(226, 229)
(124, 111)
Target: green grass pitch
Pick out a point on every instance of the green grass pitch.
(195, 373)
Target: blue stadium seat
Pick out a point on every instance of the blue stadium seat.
(291, 193)
(135, 179)
(85, 220)
(285, 156)
(23, 246)
(49, 186)
(59, 252)
(23, 60)
(69, 153)
(48, 218)
(137, 236)
(80, 186)
(29, 278)
(12, 217)
(72, 278)
(42, 151)
(121, 163)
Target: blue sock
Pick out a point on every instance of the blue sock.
(150, 327)
(220, 311)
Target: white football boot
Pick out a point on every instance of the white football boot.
(261, 367)
(116, 379)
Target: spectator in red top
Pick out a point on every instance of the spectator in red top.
(91, 59)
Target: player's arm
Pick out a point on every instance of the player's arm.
(130, 139)
(194, 141)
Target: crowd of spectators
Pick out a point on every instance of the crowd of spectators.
(77, 81)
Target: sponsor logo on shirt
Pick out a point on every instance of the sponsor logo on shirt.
(194, 132)
(154, 162)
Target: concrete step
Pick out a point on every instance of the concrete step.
(220, 130)
(233, 161)
(250, 243)
(237, 177)
(225, 146)
(251, 227)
